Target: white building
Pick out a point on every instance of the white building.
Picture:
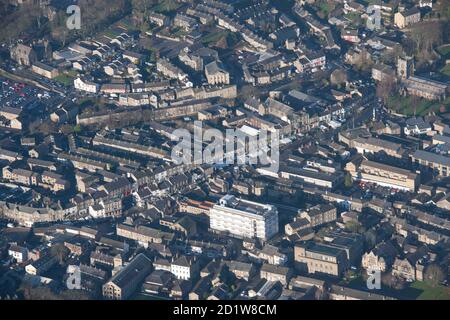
(244, 219)
(97, 210)
(20, 254)
(87, 86)
(426, 3)
(184, 268)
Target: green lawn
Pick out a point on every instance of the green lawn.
(111, 34)
(166, 6)
(179, 32)
(354, 17)
(214, 37)
(65, 79)
(430, 293)
(72, 73)
(446, 70)
(405, 105)
(444, 51)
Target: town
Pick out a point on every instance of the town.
(93, 205)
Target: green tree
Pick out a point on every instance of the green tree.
(354, 226)
(348, 181)
(77, 129)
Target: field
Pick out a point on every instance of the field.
(417, 290)
(166, 6)
(444, 51)
(446, 70)
(65, 79)
(213, 37)
(427, 292)
(410, 106)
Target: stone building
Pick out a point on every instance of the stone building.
(23, 55)
(407, 18)
(123, 284)
(215, 74)
(313, 257)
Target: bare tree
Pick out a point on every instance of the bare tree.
(434, 275)
(386, 88)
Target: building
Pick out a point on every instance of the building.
(157, 18)
(320, 214)
(45, 70)
(240, 269)
(134, 99)
(41, 265)
(87, 86)
(27, 216)
(184, 21)
(407, 18)
(320, 258)
(244, 219)
(133, 57)
(11, 117)
(425, 88)
(185, 268)
(20, 254)
(53, 181)
(198, 58)
(23, 55)
(317, 178)
(405, 67)
(380, 258)
(382, 72)
(275, 273)
(375, 145)
(77, 245)
(143, 234)
(21, 176)
(383, 175)
(351, 243)
(296, 226)
(125, 282)
(215, 74)
(272, 255)
(344, 293)
(350, 35)
(438, 163)
(169, 70)
(408, 269)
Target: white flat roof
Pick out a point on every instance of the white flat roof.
(249, 130)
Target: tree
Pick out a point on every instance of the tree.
(354, 226)
(60, 252)
(348, 181)
(370, 239)
(434, 275)
(39, 293)
(338, 76)
(77, 129)
(386, 88)
(390, 281)
(363, 62)
(426, 36)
